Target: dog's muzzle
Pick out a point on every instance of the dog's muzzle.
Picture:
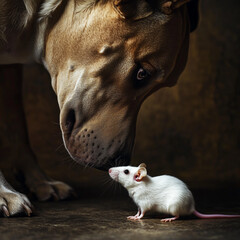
(92, 147)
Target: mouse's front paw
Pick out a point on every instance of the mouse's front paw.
(13, 203)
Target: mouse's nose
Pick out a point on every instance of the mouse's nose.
(110, 170)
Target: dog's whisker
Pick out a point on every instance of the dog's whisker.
(61, 145)
(56, 123)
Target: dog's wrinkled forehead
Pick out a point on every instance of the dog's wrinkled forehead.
(107, 34)
(107, 26)
(107, 41)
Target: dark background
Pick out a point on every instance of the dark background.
(191, 131)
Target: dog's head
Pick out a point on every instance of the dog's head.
(105, 58)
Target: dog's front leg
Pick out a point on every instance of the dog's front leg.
(15, 137)
(43, 187)
(11, 201)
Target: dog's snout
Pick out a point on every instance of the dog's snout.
(110, 170)
(89, 148)
(94, 142)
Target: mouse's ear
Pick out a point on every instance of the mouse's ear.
(140, 174)
(142, 165)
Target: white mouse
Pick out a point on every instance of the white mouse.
(164, 194)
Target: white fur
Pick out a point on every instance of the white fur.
(48, 7)
(164, 194)
(11, 199)
(31, 7)
(46, 10)
(83, 5)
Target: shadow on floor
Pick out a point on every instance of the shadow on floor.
(104, 218)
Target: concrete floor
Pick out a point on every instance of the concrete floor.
(105, 218)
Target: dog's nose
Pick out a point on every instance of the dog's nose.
(69, 122)
(110, 170)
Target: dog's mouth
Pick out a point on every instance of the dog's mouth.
(114, 162)
(104, 165)
(86, 147)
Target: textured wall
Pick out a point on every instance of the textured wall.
(191, 130)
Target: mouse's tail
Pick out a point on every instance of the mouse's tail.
(207, 216)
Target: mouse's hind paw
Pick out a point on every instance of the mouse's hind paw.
(169, 219)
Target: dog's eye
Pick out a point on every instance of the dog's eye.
(126, 171)
(141, 77)
(142, 74)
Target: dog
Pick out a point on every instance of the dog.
(105, 57)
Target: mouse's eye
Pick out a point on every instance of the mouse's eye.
(126, 171)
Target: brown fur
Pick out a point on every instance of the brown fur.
(93, 51)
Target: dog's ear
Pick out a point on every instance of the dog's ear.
(132, 9)
(192, 7)
(168, 6)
